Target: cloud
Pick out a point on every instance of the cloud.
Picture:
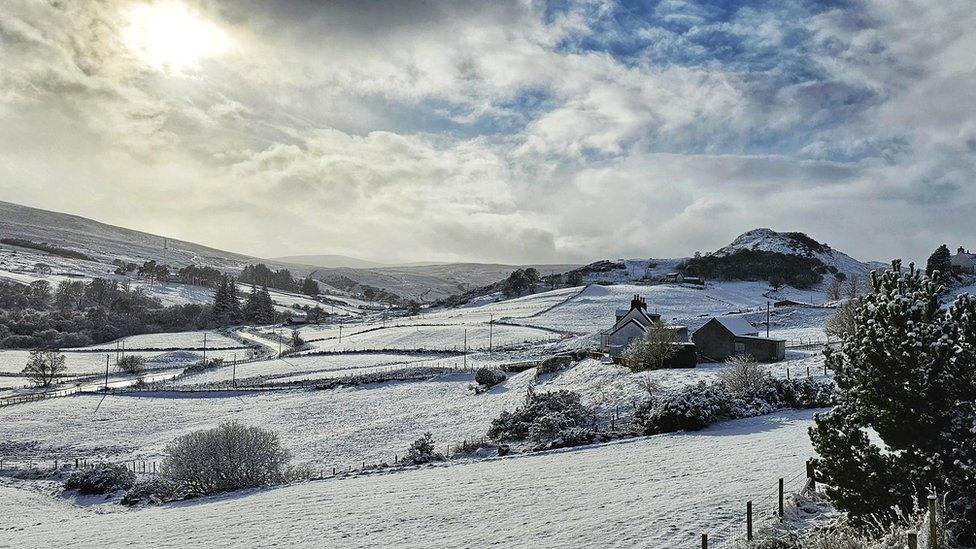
(508, 131)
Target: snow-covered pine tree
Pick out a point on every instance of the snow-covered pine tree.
(251, 305)
(940, 261)
(905, 373)
(219, 311)
(234, 313)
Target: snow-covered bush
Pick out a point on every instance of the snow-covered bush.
(203, 366)
(152, 491)
(422, 451)
(743, 375)
(574, 436)
(692, 408)
(229, 457)
(489, 377)
(103, 478)
(542, 416)
(131, 364)
(698, 406)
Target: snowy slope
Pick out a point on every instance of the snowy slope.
(768, 240)
(658, 492)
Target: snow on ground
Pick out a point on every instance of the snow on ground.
(659, 492)
(172, 340)
(450, 338)
(594, 309)
(294, 366)
(339, 426)
(14, 360)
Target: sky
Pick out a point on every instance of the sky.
(510, 132)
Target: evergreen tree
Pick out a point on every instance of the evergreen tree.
(219, 310)
(940, 261)
(234, 313)
(905, 373)
(251, 305)
(309, 286)
(265, 312)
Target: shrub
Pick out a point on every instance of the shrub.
(103, 478)
(152, 491)
(743, 375)
(229, 457)
(693, 408)
(422, 451)
(131, 364)
(573, 436)
(489, 377)
(543, 416)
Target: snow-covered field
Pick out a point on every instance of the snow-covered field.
(660, 491)
(448, 338)
(174, 340)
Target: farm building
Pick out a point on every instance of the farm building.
(633, 322)
(725, 336)
(963, 261)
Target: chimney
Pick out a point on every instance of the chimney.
(638, 303)
(960, 251)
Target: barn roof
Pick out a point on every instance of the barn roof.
(737, 325)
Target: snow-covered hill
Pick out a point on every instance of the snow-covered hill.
(794, 243)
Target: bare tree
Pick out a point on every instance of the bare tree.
(835, 289)
(653, 350)
(743, 374)
(853, 287)
(650, 385)
(843, 320)
(44, 366)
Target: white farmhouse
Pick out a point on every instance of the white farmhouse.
(963, 262)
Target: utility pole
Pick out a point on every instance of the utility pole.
(767, 318)
(106, 373)
(465, 349)
(205, 348)
(340, 334)
(234, 374)
(491, 324)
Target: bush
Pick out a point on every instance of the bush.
(743, 375)
(226, 458)
(153, 491)
(422, 451)
(103, 478)
(693, 408)
(698, 406)
(489, 377)
(542, 417)
(131, 364)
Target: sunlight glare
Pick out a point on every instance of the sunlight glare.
(170, 37)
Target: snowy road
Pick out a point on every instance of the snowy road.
(659, 491)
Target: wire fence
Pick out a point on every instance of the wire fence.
(767, 505)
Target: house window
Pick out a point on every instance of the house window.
(740, 347)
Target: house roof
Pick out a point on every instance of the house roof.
(737, 325)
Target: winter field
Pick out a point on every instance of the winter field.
(659, 491)
(656, 491)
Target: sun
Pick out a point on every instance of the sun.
(169, 36)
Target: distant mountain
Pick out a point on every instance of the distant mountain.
(328, 261)
(108, 242)
(104, 243)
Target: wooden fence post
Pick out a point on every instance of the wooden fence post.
(704, 541)
(780, 498)
(933, 525)
(912, 539)
(748, 521)
(811, 475)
